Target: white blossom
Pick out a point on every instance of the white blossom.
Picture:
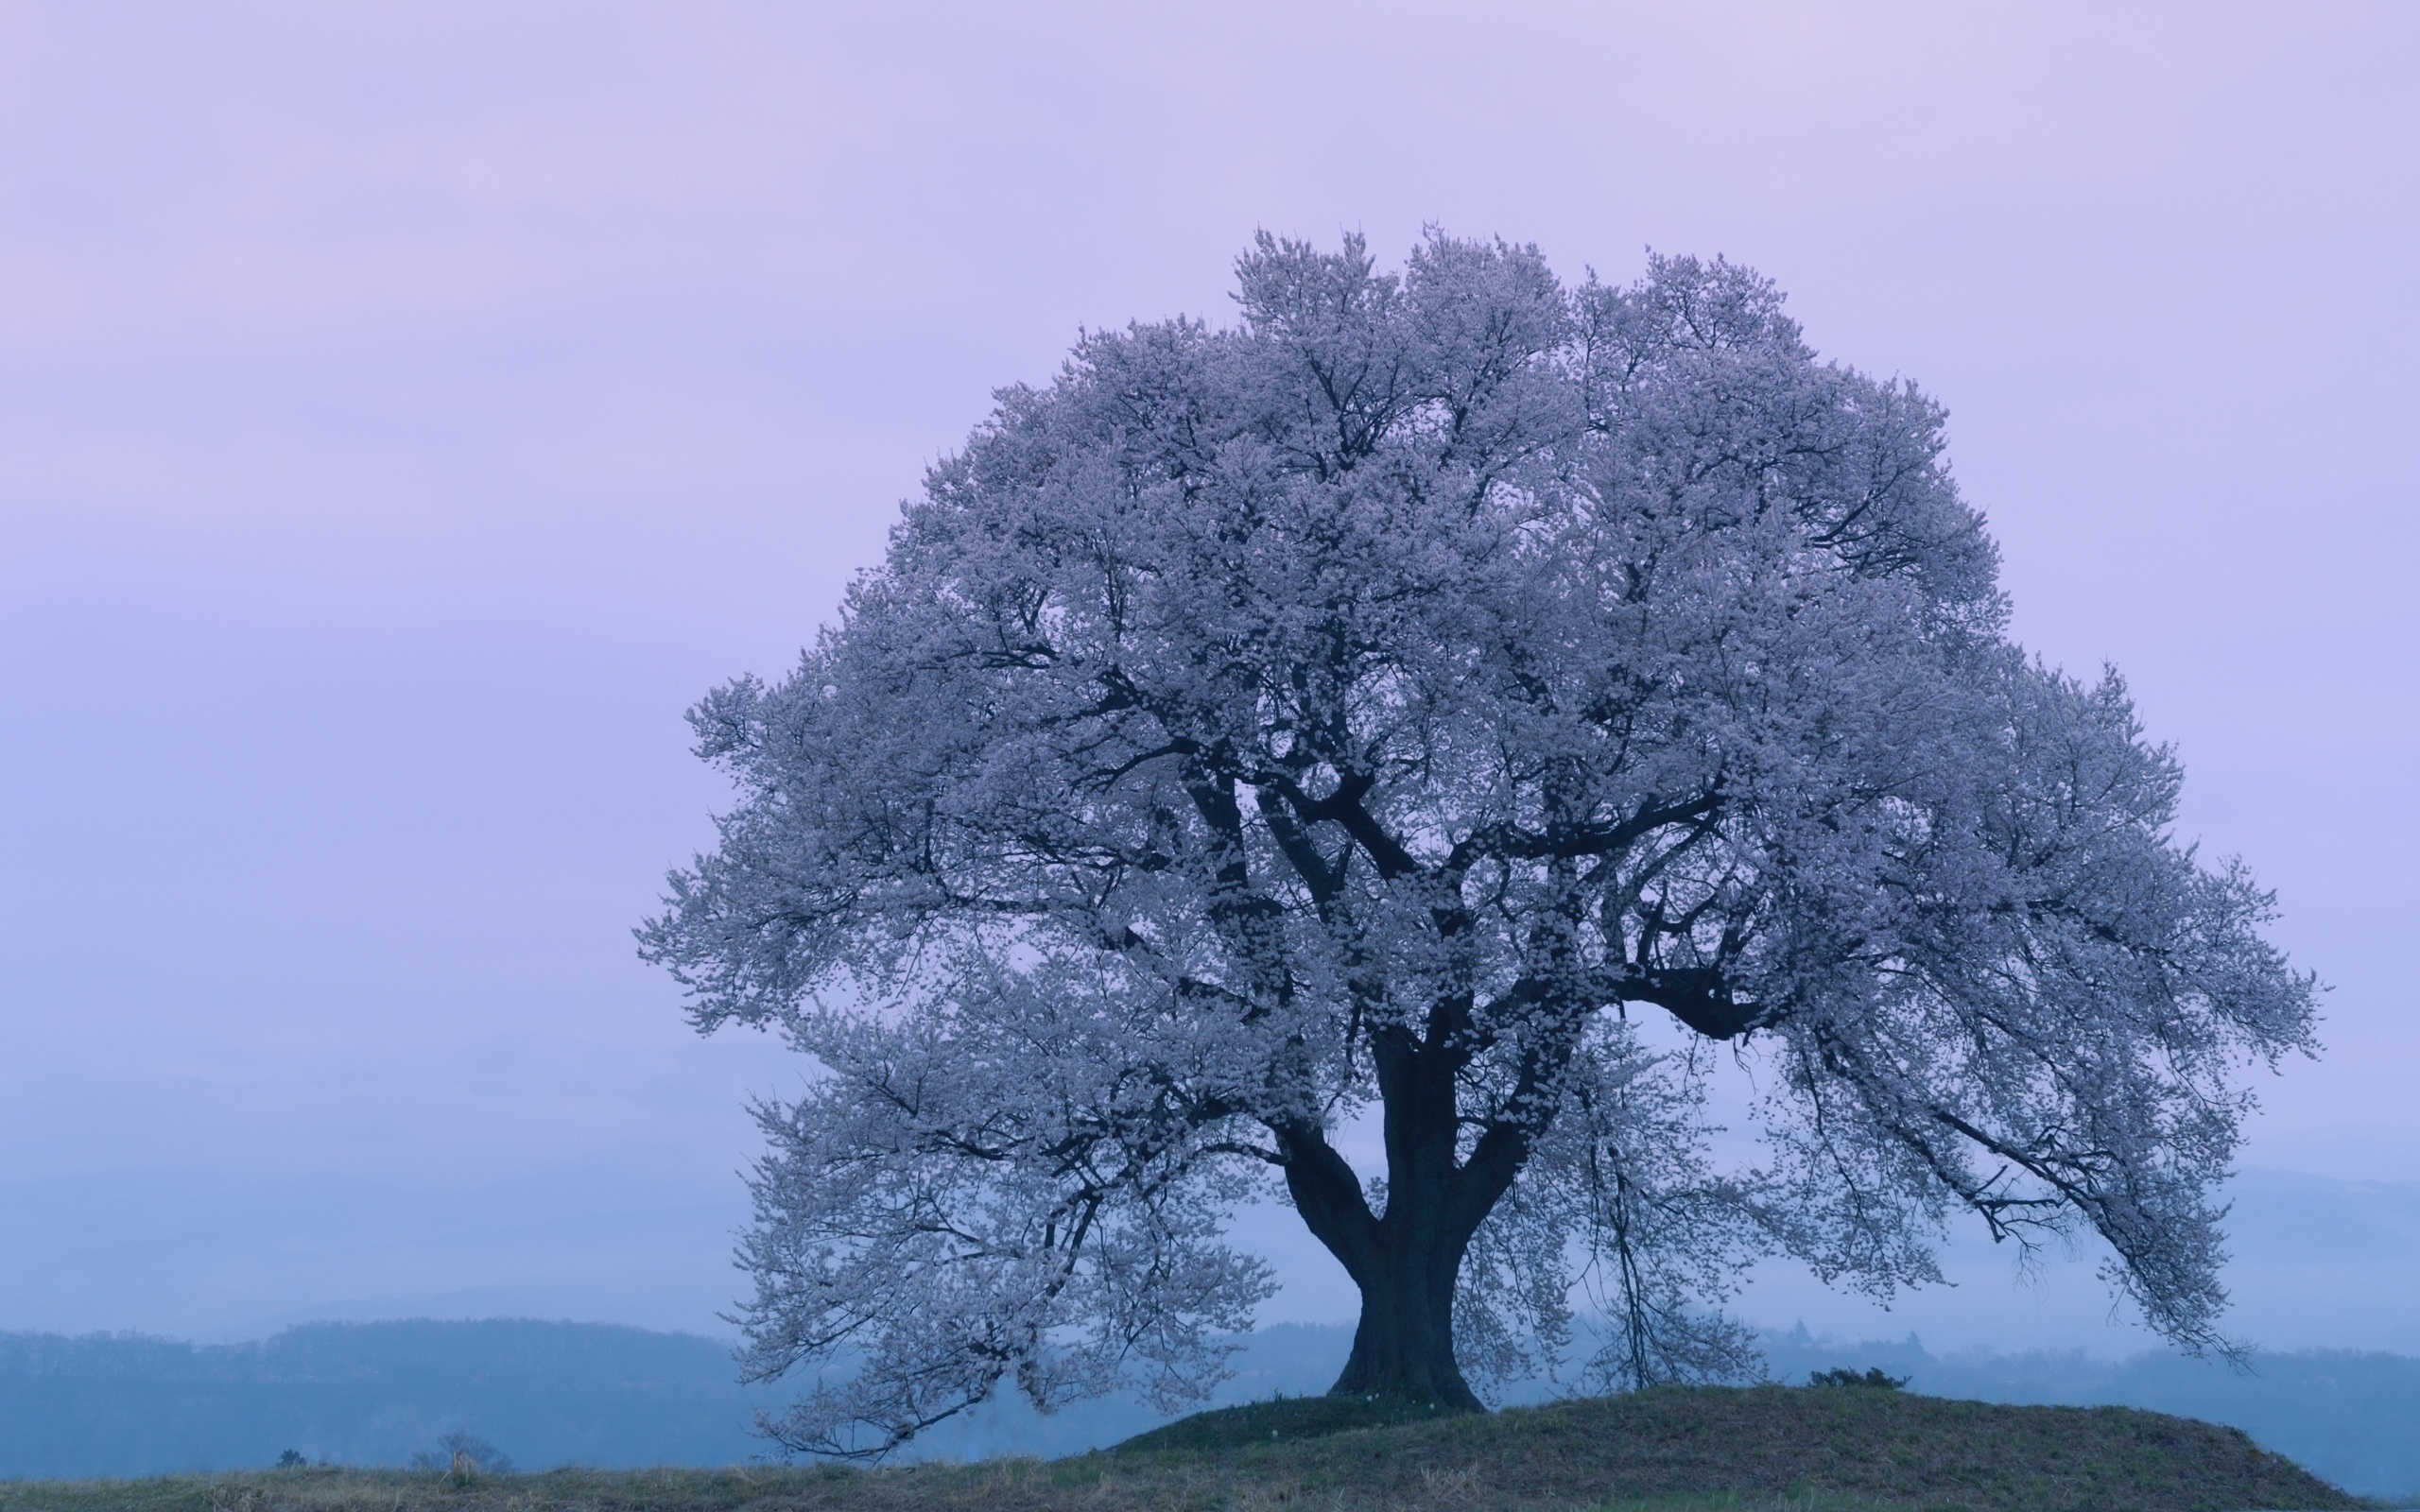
(1366, 706)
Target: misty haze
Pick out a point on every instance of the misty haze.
(1707, 602)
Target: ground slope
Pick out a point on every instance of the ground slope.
(1806, 1448)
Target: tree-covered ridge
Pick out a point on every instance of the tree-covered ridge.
(545, 1393)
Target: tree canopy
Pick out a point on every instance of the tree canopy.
(1393, 703)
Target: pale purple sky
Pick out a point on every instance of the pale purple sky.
(408, 409)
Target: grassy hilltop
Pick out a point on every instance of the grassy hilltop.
(1815, 1449)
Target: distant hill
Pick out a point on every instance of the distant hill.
(593, 1394)
(545, 1393)
(369, 1394)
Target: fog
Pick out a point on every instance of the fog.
(406, 411)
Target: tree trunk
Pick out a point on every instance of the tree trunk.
(1406, 1261)
(1404, 1346)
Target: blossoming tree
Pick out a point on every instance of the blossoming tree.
(1461, 701)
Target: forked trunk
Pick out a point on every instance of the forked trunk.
(1407, 1260)
(1405, 1263)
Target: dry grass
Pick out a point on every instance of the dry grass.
(1841, 1450)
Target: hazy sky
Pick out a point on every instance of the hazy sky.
(408, 409)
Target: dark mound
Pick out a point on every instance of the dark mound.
(1280, 1420)
(1759, 1443)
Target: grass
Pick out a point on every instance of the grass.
(1698, 1450)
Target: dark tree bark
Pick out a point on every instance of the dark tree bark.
(1403, 1344)
(1405, 1262)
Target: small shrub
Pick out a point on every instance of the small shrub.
(462, 1455)
(1845, 1377)
(291, 1459)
